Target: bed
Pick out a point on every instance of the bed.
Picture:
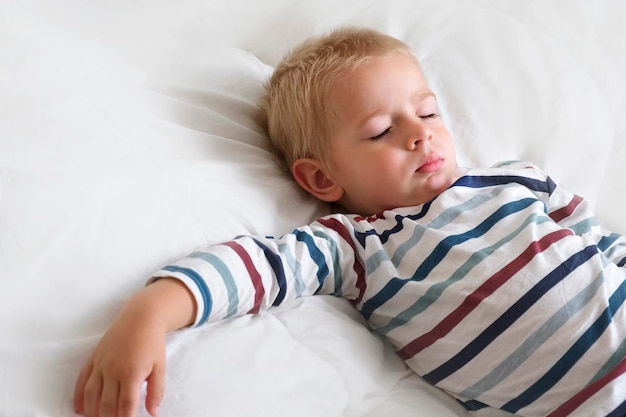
(127, 141)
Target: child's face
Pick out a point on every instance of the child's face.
(389, 148)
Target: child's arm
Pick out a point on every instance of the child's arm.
(133, 351)
(572, 211)
(253, 273)
(580, 217)
(246, 275)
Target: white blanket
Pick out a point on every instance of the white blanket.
(126, 141)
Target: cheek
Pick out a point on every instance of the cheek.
(387, 167)
(445, 135)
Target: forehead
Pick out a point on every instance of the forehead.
(379, 65)
(379, 80)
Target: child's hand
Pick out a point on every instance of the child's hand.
(132, 352)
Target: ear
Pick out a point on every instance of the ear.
(311, 175)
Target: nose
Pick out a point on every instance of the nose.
(419, 135)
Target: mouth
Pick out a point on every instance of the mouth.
(433, 163)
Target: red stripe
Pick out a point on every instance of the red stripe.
(255, 277)
(372, 218)
(485, 290)
(589, 391)
(566, 211)
(338, 227)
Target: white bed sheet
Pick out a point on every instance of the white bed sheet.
(126, 141)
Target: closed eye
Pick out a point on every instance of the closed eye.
(381, 135)
(429, 116)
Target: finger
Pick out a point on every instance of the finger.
(109, 398)
(93, 390)
(79, 387)
(128, 400)
(155, 390)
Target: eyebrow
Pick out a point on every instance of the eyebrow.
(417, 97)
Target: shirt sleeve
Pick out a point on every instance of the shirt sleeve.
(575, 213)
(252, 273)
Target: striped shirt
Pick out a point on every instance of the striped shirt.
(503, 291)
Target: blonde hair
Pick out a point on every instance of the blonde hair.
(295, 110)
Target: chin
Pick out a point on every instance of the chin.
(439, 182)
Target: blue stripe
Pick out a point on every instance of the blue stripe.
(509, 317)
(294, 266)
(535, 340)
(395, 284)
(443, 247)
(571, 357)
(446, 217)
(338, 275)
(384, 236)
(434, 292)
(381, 257)
(277, 266)
(607, 241)
(611, 247)
(202, 287)
(467, 181)
(315, 254)
(473, 405)
(584, 226)
(618, 355)
(477, 181)
(227, 277)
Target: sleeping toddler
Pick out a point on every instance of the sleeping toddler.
(494, 284)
